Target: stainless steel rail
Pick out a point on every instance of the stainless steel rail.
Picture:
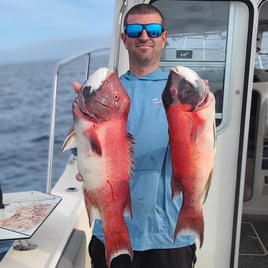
(59, 65)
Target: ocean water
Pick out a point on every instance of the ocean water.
(25, 115)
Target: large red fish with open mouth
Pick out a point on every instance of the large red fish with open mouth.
(104, 156)
(190, 110)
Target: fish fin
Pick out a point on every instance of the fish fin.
(198, 126)
(175, 186)
(128, 211)
(190, 222)
(117, 242)
(127, 207)
(91, 209)
(207, 186)
(131, 142)
(94, 141)
(70, 141)
(214, 134)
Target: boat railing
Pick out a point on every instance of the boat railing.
(58, 68)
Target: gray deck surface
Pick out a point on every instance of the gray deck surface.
(253, 251)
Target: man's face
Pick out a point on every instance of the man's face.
(144, 50)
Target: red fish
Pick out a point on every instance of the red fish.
(104, 156)
(190, 110)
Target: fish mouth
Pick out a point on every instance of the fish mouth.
(204, 101)
(78, 112)
(184, 86)
(87, 103)
(199, 97)
(81, 110)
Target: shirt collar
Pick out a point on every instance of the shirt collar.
(158, 74)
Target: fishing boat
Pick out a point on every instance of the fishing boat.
(225, 42)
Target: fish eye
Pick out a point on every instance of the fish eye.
(116, 97)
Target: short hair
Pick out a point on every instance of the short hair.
(144, 9)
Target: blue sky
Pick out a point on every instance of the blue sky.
(48, 29)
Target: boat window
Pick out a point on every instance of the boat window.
(198, 38)
(261, 60)
(264, 43)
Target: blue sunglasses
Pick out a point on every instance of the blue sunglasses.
(153, 30)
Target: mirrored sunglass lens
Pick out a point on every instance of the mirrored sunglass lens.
(154, 30)
(134, 30)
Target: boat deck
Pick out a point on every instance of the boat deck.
(254, 242)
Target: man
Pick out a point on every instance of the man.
(154, 213)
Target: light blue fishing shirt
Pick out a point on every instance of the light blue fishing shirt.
(154, 213)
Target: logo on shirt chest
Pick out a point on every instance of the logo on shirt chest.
(157, 103)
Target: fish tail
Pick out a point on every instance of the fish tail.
(190, 222)
(117, 241)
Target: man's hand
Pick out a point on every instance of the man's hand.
(77, 87)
